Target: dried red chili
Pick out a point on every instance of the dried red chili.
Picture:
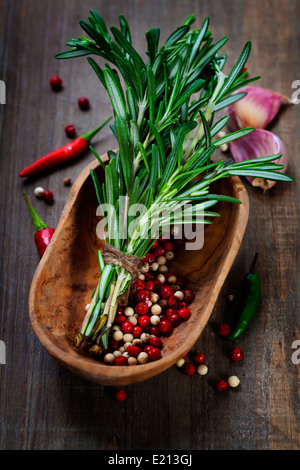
(43, 233)
(62, 154)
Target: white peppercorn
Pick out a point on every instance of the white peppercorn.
(142, 357)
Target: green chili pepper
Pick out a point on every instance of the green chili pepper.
(252, 297)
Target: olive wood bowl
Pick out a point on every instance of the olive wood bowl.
(68, 273)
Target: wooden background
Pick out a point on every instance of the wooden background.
(43, 406)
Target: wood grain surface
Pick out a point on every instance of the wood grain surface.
(43, 406)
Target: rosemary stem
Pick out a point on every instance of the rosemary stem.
(90, 310)
(114, 298)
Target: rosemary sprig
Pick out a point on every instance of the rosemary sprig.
(164, 124)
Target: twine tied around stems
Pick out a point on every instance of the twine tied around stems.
(131, 263)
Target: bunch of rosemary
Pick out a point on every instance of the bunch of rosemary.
(164, 122)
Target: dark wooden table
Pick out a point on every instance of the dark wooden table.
(42, 405)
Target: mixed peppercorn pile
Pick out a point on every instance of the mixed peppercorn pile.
(158, 303)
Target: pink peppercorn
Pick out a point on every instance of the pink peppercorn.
(56, 83)
(133, 351)
(236, 354)
(48, 196)
(165, 327)
(70, 130)
(188, 368)
(120, 361)
(137, 331)
(141, 308)
(127, 327)
(224, 329)
(83, 103)
(199, 358)
(143, 320)
(154, 353)
(120, 395)
(156, 342)
(185, 313)
(221, 386)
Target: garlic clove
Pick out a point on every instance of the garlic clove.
(257, 109)
(260, 143)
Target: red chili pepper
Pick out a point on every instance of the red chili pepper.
(62, 154)
(43, 233)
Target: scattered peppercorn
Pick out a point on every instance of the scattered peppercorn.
(83, 103)
(188, 368)
(70, 130)
(221, 386)
(202, 369)
(236, 354)
(120, 395)
(56, 83)
(67, 181)
(48, 196)
(233, 381)
(180, 362)
(224, 329)
(39, 192)
(199, 358)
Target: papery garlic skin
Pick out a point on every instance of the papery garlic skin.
(257, 109)
(260, 143)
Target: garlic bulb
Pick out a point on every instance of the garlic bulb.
(260, 143)
(257, 109)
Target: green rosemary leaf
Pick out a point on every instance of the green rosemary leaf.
(236, 70)
(190, 20)
(98, 157)
(154, 165)
(152, 45)
(114, 179)
(101, 24)
(109, 186)
(221, 197)
(175, 156)
(228, 101)
(211, 53)
(125, 154)
(94, 34)
(233, 136)
(123, 42)
(134, 197)
(71, 54)
(151, 87)
(219, 125)
(255, 173)
(206, 130)
(256, 161)
(144, 156)
(185, 96)
(131, 102)
(176, 35)
(243, 83)
(160, 145)
(150, 197)
(197, 43)
(98, 70)
(125, 28)
(134, 136)
(127, 72)
(115, 94)
(97, 186)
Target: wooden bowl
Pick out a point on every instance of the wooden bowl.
(68, 273)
